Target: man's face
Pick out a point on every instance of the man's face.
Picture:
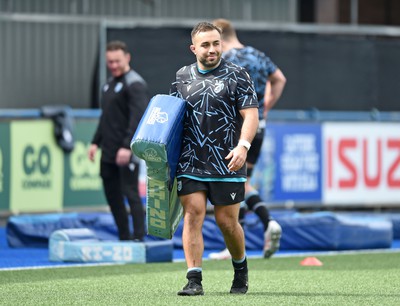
(117, 62)
(207, 48)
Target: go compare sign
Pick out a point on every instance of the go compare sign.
(36, 167)
(37, 176)
(82, 182)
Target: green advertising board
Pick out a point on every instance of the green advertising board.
(37, 168)
(82, 182)
(4, 166)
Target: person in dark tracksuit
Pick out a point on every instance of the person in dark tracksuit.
(123, 103)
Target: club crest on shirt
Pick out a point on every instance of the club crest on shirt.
(118, 87)
(219, 86)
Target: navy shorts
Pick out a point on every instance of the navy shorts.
(218, 193)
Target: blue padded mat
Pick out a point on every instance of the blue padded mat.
(17, 258)
(314, 231)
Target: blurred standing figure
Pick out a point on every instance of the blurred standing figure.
(124, 100)
(220, 122)
(269, 83)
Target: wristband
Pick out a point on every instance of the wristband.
(244, 143)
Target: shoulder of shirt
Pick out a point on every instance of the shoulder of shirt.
(185, 71)
(132, 77)
(186, 68)
(232, 65)
(243, 51)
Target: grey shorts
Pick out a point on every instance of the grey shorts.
(219, 193)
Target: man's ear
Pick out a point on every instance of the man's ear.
(193, 49)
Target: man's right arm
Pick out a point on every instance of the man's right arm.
(273, 89)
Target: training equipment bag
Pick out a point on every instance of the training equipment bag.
(157, 141)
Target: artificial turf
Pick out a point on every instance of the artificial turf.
(356, 279)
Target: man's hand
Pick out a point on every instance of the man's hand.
(238, 157)
(123, 157)
(92, 152)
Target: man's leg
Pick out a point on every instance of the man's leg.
(194, 211)
(130, 188)
(272, 230)
(227, 220)
(112, 190)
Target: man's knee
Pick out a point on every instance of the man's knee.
(227, 225)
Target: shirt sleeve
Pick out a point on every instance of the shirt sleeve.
(245, 92)
(138, 100)
(97, 135)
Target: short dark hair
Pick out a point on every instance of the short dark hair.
(204, 27)
(117, 45)
(226, 27)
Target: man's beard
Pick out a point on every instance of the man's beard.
(207, 64)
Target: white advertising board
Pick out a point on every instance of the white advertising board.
(361, 163)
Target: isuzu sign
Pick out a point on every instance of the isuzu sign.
(362, 163)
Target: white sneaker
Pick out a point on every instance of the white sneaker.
(272, 237)
(220, 255)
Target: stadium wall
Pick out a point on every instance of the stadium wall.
(327, 67)
(54, 59)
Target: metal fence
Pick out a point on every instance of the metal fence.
(46, 62)
(49, 49)
(261, 10)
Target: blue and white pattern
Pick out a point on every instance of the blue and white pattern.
(257, 64)
(212, 117)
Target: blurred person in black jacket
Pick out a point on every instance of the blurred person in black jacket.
(123, 103)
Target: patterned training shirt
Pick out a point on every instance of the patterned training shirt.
(212, 123)
(257, 64)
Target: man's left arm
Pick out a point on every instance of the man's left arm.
(137, 101)
(249, 128)
(273, 89)
(137, 104)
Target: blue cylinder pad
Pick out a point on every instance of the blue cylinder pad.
(158, 141)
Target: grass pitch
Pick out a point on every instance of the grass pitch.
(357, 279)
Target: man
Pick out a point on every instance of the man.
(124, 100)
(220, 123)
(269, 83)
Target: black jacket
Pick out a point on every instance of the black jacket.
(124, 101)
